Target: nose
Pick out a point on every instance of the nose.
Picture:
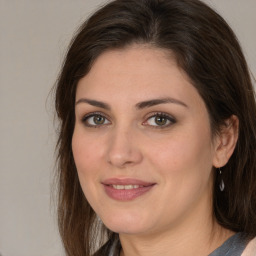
(124, 148)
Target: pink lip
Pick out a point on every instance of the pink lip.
(126, 194)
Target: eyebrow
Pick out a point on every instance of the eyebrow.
(153, 102)
(94, 103)
(140, 105)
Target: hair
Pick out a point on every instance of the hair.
(206, 48)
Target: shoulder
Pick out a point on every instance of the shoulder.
(250, 249)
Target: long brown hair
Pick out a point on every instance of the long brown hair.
(206, 48)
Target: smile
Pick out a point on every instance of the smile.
(126, 189)
(126, 186)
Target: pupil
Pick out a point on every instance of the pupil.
(98, 120)
(160, 120)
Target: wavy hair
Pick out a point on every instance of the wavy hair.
(206, 48)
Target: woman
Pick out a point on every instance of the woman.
(158, 134)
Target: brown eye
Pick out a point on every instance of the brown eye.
(97, 119)
(94, 120)
(161, 120)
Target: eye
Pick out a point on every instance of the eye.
(160, 120)
(94, 120)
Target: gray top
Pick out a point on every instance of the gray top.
(234, 246)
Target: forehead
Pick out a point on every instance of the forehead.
(133, 69)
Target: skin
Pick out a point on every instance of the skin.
(175, 216)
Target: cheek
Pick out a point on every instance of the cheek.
(86, 156)
(184, 155)
(184, 165)
(85, 151)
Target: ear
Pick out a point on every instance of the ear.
(225, 141)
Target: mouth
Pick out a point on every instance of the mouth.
(126, 189)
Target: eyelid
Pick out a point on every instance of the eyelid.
(91, 114)
(162, 114)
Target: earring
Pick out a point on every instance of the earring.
(221, 185)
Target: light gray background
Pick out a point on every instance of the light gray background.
(33, 37)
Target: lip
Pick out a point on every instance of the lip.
(126, 194)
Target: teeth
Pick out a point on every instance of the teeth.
(125, 186)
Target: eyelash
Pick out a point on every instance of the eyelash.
(168, 117)
(94, 114)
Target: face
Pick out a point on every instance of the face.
(142, 142)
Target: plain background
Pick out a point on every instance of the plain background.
(33, 37)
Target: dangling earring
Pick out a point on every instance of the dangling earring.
(221, 185)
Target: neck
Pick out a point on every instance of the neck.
(195, 234)
(183, 243)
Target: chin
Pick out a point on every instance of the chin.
(126, 229)
(125, 223)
